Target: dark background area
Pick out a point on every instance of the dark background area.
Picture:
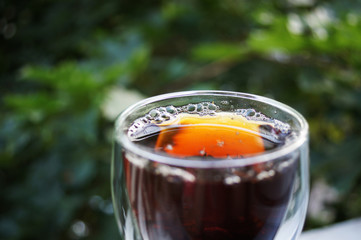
(60, 59)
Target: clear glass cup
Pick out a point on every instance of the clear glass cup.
(159, 196)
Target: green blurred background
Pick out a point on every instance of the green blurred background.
(67, 67)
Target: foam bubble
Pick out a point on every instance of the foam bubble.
(154, 113)
(191, 108)
(212, 107)
(171, 110)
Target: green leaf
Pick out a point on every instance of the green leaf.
(217, 51)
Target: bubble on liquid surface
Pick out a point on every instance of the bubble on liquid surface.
(212, 107)
(250, 113)
(165, 116)
(253, 115)
(171, 109)
(154, 113)
(191, 108)
(149, 125)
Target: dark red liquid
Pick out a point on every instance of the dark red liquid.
(177, 203)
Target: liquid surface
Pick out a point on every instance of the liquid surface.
(208, 133)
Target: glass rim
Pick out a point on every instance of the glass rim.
(128, 145)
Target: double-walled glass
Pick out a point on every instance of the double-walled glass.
(160, 197)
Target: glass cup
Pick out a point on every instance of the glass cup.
(161, 196)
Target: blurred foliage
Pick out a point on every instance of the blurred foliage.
(58, 59)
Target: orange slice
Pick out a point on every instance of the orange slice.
(220, 136)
